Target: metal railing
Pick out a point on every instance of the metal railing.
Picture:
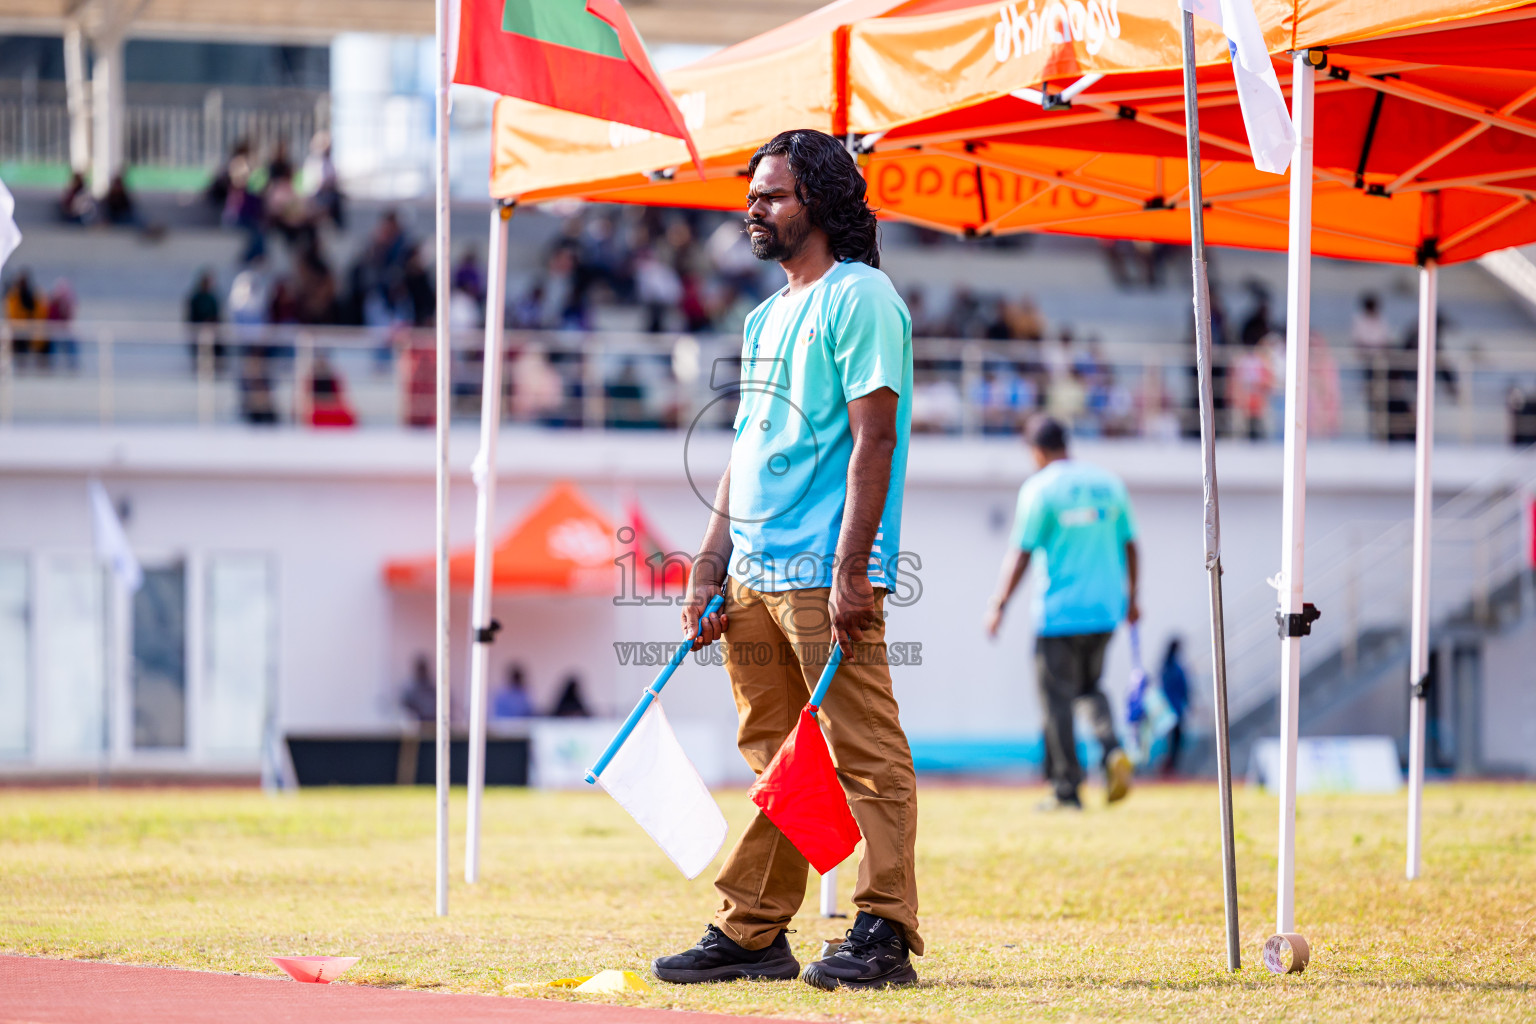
(166, 134)
(1360, 576)
(178, 373)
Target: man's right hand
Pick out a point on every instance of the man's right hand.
(714, 625)
(994, 618)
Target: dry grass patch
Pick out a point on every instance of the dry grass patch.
(1112, 914)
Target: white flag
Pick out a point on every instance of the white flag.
(111, 542)
(1265, 115)
(654, 781)
(10, 234)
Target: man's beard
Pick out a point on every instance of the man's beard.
(776, 247)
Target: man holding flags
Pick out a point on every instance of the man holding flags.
(802, 543)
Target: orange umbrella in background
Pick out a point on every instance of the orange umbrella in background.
(563, 545)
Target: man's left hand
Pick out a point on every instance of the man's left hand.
(1132, 612)
(853, 609)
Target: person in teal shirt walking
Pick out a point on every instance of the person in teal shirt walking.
(1077, 519)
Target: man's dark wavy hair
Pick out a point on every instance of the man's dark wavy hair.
(829, 185)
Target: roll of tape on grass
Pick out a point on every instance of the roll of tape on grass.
(1286, 953)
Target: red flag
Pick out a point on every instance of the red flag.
(800, 794)
(578, 55)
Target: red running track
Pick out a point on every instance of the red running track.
(38, 991)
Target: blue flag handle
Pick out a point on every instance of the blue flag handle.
(825, 683)
(651, 693)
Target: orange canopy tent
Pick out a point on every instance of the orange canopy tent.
(564, 545)
(956, 139)
(864, 66)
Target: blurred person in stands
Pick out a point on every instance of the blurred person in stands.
(1402, 399)
(1024, 320)
(1151, 256)
(258, 404)
(203, 315)
(1002, 396)
(374, 276)
(1522, 416)
(468, 277)
(1251, 382)
(287, 211)
(1253, 371)
(1077, 519)
(1323, 396)
(283, 302)
(696, 318)
(565, 298)
(512, 700)
(1067, 399)
(538, 390)
(321, 187)
(731, 254)
(570, 703)
(231, 174)
(328, 406)
(76, 205)
(248, 300)
(117, 206)
(24, 304)
(527, 312)
(1118, 254)
(1258, 323)
(921, 325)
(244, 209)
(316, 294)
(61, 313)
(625, 399)
(466, 300)
(416, 296)
(1372, 339)
(658, 287)
(420, 696)
(203, 303)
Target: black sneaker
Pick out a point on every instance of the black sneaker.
(716, 957)
(874, 956)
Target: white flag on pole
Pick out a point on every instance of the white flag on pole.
(654, 781)
(10, 234)
(1265, 114)
(111, 542)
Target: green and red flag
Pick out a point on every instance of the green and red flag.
(578, 55)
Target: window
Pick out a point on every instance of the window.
(72, 691)
(238, 683)
(15, 653)
(159, 659)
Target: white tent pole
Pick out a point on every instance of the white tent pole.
(1423, 496)
(1293, 621)
(1212, 501)
(485, 515)
(444, 373)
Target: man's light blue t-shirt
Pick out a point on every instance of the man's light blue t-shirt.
(804, 358)
(1075, 519)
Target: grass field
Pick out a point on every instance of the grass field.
(1115, 913)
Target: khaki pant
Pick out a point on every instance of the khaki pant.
(775, 649)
